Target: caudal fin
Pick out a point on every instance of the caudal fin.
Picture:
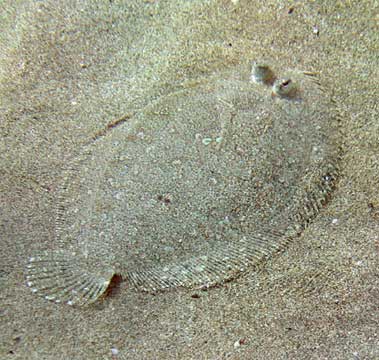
(59, 277)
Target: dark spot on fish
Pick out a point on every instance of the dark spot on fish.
(165, 199)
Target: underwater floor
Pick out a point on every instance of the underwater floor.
(80, 70)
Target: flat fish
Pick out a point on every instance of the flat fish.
(197, 187)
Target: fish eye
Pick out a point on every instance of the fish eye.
(285, 88)
(262, 73)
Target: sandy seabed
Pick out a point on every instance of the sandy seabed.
(68, 69)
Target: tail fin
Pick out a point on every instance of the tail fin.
(60, 277)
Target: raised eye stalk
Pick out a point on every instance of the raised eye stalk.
(285, 88)
(261, 73)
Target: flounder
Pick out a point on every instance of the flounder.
(194, 189)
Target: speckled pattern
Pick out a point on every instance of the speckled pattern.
(194, 189)
(318, 299)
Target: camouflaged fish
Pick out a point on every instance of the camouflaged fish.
(194, 189)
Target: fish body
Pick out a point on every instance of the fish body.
(194, 189)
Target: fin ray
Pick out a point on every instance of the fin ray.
(60, 277)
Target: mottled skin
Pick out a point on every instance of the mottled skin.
(112, 219)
